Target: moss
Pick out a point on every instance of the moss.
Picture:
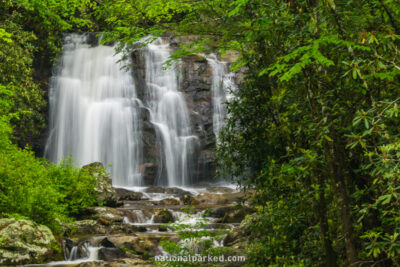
(23, 241)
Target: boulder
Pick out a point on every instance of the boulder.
(163, 216)
(107, 213)
(123, 194)
(23, 242)
(143, 245)
(189, 200)
(105, 192)
(111, 254)
(237, 238)
(118, 228)
(102, 227)
(220, 199)
(169, 202)
(88, 227)
(176, 191)
(210, 198)
(230, 214)
(167, 190)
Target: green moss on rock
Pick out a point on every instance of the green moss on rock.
(23, 241)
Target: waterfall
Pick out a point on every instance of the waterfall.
(95, 111)
(94, 114)
(221, 89)
(169, 113)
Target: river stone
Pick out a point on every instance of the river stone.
(111, 254)
(23, 242)
(163, 216)
(107, 214)
(169, 202)
(230, 214)
(105, 192)
(189, 200)
(87, 227)
(143, 245)
(167, 190)
(102, 227)
(211, 198)
(123, 194)
(176, 191)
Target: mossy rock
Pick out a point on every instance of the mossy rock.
(26, 242)
(106, 194)
(163, 216)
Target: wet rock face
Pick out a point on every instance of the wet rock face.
(105, 192)
(23, 241)
(195, 79)
(195, 82)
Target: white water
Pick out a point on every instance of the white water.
(197, 218)
(94, 111)
(141, 218)
(222, 87)
(168, 113)
(93, 256)
(73, 254)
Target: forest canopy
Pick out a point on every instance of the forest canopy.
(314, 128)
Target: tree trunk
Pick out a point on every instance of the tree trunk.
(321, 211)
(337, 171)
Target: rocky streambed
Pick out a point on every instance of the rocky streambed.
(129, 231)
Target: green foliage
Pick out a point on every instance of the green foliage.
(76, 186)
(32, 188)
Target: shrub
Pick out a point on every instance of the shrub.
(35, 189)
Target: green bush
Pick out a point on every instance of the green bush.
(35, 189)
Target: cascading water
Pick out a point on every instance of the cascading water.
(168, 113)
(222, 87)
(94, 111)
